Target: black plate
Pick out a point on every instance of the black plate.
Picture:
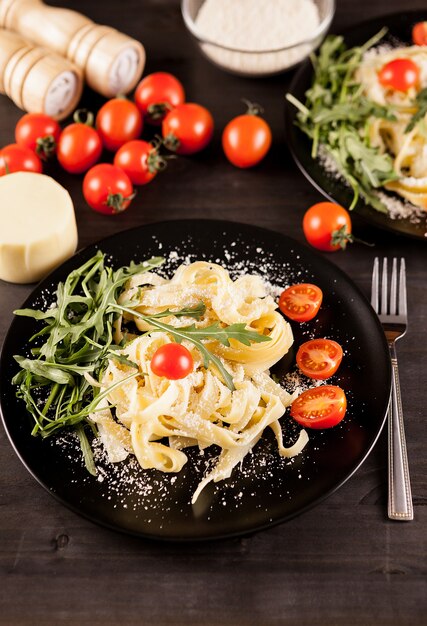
(270, 490)
(399, 27)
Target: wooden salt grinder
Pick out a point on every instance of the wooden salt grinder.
(111, 61)
(36, 79)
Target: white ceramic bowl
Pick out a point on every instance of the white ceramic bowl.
(257, 62)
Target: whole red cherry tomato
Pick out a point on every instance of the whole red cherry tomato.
(157, 94)
(39, 132)
(173, 361)
(188, 128)
(320, 407)
(140, 160)
(17, 158)
(117, 122)
(247, 138)
(319, 358)
(301, 303)
(327, 226)
(399, 74)
(419, 34)
(79, 146)
(107, 189)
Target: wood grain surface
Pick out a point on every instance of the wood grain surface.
(343, 562)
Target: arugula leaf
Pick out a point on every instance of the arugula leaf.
(223, 334)
(122, 359)
(86, 451)
(420, 102)
(196, 311)
(56, 372)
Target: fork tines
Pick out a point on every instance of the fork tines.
(396, 305)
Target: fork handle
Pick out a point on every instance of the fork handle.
(399, 486)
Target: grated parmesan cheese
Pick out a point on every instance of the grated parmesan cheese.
(257, 26)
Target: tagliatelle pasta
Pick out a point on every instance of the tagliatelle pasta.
(408, 148)
(157, 419)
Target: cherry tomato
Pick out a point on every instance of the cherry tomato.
(117, 122)
(17, 158)
(327, 226)
(301, 302)
(188, 128)
(419, 34)
(399, 74)
(107, 189)
(246, 139)
(157, 94)
(319, 358)
(173, 361)
(79, 147)
(39, 132)
(140, 160)
(320, 407)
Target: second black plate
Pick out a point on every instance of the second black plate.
(399, 27)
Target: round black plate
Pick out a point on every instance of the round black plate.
(399, 28)
(269, 490)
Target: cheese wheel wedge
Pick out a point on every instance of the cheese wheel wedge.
(37, 226)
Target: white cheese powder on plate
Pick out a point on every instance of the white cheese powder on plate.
(257, 25)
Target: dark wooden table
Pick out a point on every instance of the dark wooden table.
(343, 562)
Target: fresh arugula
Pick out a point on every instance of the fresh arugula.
(77, 338)
(420, 103)
(335, 116)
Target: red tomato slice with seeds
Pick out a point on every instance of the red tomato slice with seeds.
(301, 302)
(320, 407)
(319, 358)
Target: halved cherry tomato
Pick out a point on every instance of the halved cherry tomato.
(118, 121)
(399, 74)
(247, 138)
(327, 226)
(39, 132)
(107, 189)
(188, 128)
(301, 302)
(157, 94)
(320, 407)
(140, 160)
(419, 34)
(79, 146)
(319, 358)
(173, 361)
(17, 158)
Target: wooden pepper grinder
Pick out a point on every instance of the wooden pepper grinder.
(111, 61)
(36, 79)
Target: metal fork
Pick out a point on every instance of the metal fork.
(393, 317)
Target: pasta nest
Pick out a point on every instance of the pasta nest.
(155, 418)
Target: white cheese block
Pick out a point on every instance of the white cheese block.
(37, 226)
